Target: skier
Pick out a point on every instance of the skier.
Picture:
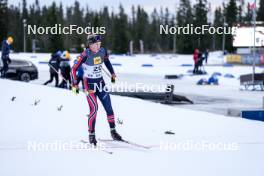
(65, 69)
(5, 55)
(91, 60)
(54, 63)
(195, 59)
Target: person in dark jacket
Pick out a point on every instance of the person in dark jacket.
(206, 55)
(54, 64)
(200, 61)
(5, 55)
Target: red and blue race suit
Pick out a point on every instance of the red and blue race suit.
(94, 84)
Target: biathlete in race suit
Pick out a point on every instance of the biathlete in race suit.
(91, 61)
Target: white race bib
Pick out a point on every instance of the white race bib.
(92, 71)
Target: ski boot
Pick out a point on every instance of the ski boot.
(92, 139)
(115, 135)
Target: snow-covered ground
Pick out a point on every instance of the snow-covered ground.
(204, 143)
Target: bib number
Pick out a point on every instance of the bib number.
(94, 71)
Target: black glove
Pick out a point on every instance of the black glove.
(9, 60)
(113, 78)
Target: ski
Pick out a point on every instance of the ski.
(97, 148)
(127, 142)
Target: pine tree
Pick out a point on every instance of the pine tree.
(248, 16)
(120, 36)
(105, 22)
(77, 19)
(184, 17)
(55, 40)
(218, 22)
(3, 19)
(260, 12)
(141, 27)
(240, 12)
(165, 39)
(200, 18)
(36, 20)
(154, 37)
(231, 13)
(14, 28)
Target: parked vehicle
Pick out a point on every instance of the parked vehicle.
(21, 70)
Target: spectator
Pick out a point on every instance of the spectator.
(206, 55)
(5, 55)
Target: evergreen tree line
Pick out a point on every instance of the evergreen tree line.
(121, 28)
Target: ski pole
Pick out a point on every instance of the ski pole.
(110, 76)
(106, 72)
(59, 74)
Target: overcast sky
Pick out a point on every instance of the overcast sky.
(113, 4)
